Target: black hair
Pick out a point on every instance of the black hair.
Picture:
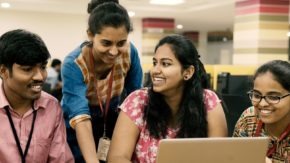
(22, 47)
(94, 3)
(55, 62)
(280, 70)
(108, 14)
(192, 112)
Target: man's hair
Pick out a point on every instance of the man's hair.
(55, 62)
(94, 3)
(22, 47)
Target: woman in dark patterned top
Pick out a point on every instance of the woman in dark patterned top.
(270, 113)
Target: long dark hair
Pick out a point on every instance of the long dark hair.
(192, 113)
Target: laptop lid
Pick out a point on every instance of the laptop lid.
(213, 150)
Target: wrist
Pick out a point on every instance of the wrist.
(93, 161)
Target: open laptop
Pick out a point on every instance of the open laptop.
(213, 150)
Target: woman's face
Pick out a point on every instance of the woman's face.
(166, 73)
(110, 44)
(265, 85)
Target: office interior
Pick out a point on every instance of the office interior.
(215, 27)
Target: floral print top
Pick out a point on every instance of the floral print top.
(146, 147)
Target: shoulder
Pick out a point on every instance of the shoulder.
(210, 94)
(72, 64)
(246, 124)
(73, 54)
(135, 100)
(48, 102)
(210, 99)
(249, 112)
(248, 117)
(134, 55)
(133, 106)
(137, 97)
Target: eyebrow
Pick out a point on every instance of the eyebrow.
(163, 59)
(106, 40)
(268, 93)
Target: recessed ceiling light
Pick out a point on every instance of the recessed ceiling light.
(5, 5)
(131, 13)
(166, 2)
(179, 26)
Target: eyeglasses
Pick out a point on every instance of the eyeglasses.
(271, 99)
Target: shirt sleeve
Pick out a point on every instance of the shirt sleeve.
(74, 101)
(133, 106)
(59, 149)
(210, 99)
(133, 80)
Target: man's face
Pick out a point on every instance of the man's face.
(23, 83)
(57, 68)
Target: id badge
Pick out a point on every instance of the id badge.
(103, 148)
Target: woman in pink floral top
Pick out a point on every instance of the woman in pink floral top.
(177, 105)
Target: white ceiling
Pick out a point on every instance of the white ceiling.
(202, 15)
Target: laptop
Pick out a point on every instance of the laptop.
(213, 150)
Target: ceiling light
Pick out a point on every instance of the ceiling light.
(5, 5)
(288, 34)
(131, 13)
(179, 26)
(166, 2)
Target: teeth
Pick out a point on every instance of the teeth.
(158, 79)
(36, 87)
(266, 111)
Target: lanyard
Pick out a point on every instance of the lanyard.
(109, 91)
(282, 136)
(23, 155)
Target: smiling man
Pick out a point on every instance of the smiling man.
(32, 125)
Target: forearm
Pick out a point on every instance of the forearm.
(86, 141)
(268, 160)
(118, 159)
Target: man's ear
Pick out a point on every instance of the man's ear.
(3, 71)
(90, 35)
(188, 73)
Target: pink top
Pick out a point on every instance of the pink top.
(48, 143)
(146, 147)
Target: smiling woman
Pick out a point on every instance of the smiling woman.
(176, 106)
(96, 75)
(270, 113)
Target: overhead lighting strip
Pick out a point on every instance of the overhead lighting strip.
(166, 2)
